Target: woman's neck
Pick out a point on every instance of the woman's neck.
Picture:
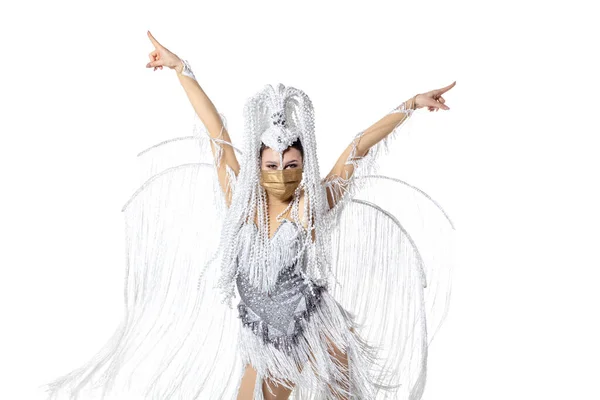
(275, 204)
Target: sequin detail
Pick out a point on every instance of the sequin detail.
(276, 316)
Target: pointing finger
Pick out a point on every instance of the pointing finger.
(154, 41)
(445, 89)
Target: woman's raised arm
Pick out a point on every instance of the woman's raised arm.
(343, 168)
(221, 144)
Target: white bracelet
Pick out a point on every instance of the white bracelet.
(187, 70)
(402, 109)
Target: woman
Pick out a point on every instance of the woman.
(284, 234)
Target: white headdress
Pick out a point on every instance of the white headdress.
(279, 135)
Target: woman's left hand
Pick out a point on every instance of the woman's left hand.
(433, 99)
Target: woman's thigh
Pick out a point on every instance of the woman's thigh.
(279, 392)
(246, 390)
(340, 358)
(247, 386)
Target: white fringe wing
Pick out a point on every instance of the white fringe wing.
(176, 339)
(392, 257)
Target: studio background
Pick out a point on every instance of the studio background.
(514, 162)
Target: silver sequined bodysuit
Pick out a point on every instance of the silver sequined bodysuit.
(276, 316)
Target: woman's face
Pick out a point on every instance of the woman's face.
(270, 159)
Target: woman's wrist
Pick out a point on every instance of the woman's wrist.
(412, 103)
(183, 68)
(179, 66)
(407, 107)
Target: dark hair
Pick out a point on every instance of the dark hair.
(297, 145)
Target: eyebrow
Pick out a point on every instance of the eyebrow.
(290, 161)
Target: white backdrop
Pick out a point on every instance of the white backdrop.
(514, 162)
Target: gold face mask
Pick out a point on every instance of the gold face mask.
(281, 183)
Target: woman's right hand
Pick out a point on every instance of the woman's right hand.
(161, 56)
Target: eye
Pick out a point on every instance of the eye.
(293, 165)
(271, 166)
